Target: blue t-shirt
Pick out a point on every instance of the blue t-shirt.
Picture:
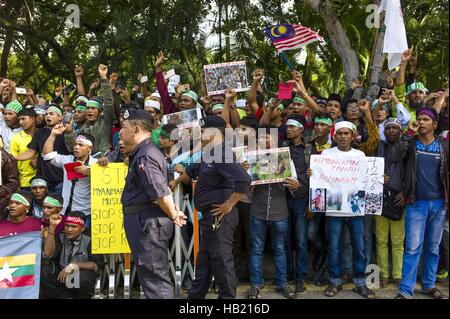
(429, 185)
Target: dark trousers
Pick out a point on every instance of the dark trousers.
(148, 237)
(52, 288)
(241, 247)
(215, 257)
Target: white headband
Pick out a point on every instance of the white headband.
(152, 103)
(156, 94)
(294, 123)
(84, 140)
(344, 124)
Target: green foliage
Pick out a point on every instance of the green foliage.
(127, 35)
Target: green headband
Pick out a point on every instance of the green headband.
(416, 86)
(280, 107)
(82, 98)
(218, 106)
(14, 106)
(20, 199)
(55, 109)
(192, 95)
(299, 100)
(322, 120)
(93, 103)
(81, 107)
(52, 201)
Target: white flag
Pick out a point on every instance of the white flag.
(395, 42)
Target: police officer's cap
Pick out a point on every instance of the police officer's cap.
(132, 114)
(213, 121)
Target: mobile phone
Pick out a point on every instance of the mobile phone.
(21, 91)
(69, 88)
(67, 118)
(144, 79)
(169, 74)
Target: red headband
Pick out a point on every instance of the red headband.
(75, 220)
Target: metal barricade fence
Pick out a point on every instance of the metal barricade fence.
(118, 274)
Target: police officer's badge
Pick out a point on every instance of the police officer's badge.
(126, 114)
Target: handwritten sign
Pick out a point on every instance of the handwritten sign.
(107, 183)
(346, 184)
(373, 185)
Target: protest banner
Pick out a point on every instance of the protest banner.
(20, 266)
(270, 165)
(346, 184)
(107, 183)
(184, 119)
(219, 77)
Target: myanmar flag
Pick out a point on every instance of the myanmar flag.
(20, 266)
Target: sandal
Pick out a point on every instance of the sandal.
(434, 293)
(332, 291)
(287, 292)
(365, 292)
(253, 293)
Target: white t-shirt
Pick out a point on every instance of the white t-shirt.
(336, 151)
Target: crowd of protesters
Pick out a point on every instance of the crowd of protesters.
(402, 122)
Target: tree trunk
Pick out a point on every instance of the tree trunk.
(339, 39)
(227, 36)
(5, 53)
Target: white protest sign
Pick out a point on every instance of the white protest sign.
(173, 82)
(346, 184)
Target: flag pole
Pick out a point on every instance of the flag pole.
(286, 61)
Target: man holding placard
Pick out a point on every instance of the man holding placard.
(344, 134)
(148, 207)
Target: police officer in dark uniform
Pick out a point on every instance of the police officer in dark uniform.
(148, 207)
(221, 183)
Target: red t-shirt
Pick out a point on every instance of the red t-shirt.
(8, 228)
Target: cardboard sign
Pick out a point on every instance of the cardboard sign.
(284, 91)
(107, 183)
(184, 119)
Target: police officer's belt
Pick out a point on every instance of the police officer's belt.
(134, 209)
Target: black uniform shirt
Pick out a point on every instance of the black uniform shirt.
(298, 157)
(217, 181)
(147, 176)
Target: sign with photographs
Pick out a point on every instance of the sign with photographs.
(267, 166)
(346, 184)
(219, 77)
(184, 119)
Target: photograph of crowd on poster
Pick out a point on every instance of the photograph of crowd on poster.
(219, 77)
(271, 166)
(183, 119)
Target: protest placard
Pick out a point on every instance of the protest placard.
(173, 82)
(219, 77)
(107, 183)
(270, 165)
(346, 184)
(183, 119)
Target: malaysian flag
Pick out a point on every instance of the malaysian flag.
(291, 36)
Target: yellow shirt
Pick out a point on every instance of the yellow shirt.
(19, 144)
